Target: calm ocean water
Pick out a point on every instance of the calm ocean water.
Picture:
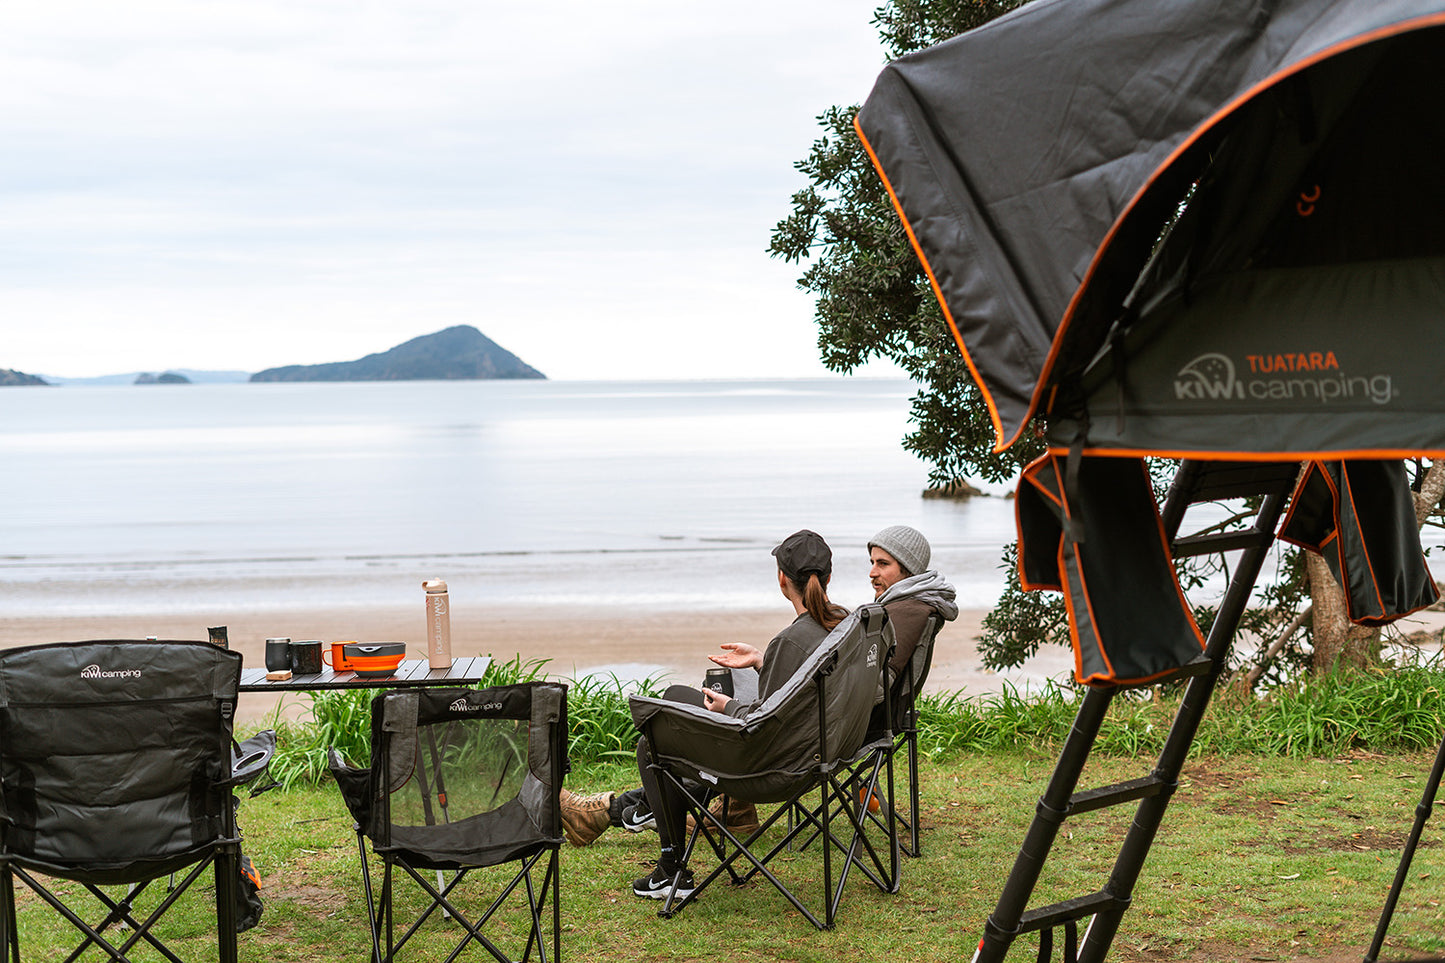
(648, 494)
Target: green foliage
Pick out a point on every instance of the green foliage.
(1393, 711)
(598, 718)
(600, 721)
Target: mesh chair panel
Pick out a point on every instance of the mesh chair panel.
(462, 779)
(465, 799)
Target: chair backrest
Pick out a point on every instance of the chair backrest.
(819, 715)
(463, 775)
(115, 755)
(910, 681)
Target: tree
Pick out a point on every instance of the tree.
(874, 300)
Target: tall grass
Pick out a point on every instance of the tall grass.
(599, 721)
(1394, 710)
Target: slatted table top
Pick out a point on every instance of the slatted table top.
(411, 672)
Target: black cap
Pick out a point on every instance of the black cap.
(803, 552)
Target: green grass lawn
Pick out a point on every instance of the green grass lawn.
(1259, 858)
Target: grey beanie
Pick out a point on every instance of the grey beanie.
(907, 546)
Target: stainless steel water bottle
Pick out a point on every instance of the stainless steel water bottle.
(438, 625)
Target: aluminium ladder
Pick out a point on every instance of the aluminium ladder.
(1195, 481)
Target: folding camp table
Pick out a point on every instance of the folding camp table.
(410, 673)
(1204, 230)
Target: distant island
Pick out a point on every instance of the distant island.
(168, 378)
(9, 377)
(457, 353)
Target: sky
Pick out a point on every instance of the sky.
(242, 184)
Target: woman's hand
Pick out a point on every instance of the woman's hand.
(715, 701)
(738, 655)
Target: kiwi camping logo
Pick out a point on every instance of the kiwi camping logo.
(872, 655)
(1313, 376)
(462, 705)
(96, 672)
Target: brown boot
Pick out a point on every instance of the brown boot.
(584, 817)
(742, 819)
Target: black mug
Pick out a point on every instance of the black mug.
(278, 655)
(719, 680)
(306, 658)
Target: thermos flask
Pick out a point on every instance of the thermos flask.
(438, 625)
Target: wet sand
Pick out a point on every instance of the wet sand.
(576, 642)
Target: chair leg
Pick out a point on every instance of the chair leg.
(914, 849)
(227, 867)
(9, 938)
(373, 918)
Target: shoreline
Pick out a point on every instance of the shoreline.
(630, 643)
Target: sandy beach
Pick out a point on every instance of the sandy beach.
(631, 644)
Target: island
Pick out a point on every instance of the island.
(457, 353)
(9, 377)
(167, 378)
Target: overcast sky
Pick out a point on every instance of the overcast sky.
(250, 183)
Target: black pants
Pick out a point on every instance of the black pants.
(666, 803)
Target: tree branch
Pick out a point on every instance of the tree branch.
(1278, 644)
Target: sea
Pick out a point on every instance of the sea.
(663, 495)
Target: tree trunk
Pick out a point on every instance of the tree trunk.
(1337, 642)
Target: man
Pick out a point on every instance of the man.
(907, 588)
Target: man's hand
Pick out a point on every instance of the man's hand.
(738, 655)
(715, 701)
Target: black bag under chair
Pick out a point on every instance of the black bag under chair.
(118, 768)
(809, 736)
(461, 780)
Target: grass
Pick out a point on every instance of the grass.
(1261, 857)
(1280, 844)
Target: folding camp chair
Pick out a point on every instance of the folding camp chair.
(805, 737)
(117, 767)
(461, 780)
(900, 712)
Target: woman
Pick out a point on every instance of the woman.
(805, 563)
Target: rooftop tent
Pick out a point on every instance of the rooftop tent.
(1202, 228)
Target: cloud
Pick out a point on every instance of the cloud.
(246, 184)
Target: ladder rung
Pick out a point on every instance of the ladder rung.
(1220, 480)
(1047, 917)
(1119, 792)
(1222, 542)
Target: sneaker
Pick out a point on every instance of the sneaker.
(742, 819)
(659, 885)
(584, 818)
(638, 817)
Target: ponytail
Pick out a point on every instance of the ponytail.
(815, 600)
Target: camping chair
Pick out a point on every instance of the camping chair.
(460, 780)
(806, 736)
(118, 768)
(899, 716)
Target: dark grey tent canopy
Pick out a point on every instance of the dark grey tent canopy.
(1186, 228)
(1204, 229)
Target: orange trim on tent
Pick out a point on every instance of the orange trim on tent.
(1408, 26)
(933, 282)
(1375, 453)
